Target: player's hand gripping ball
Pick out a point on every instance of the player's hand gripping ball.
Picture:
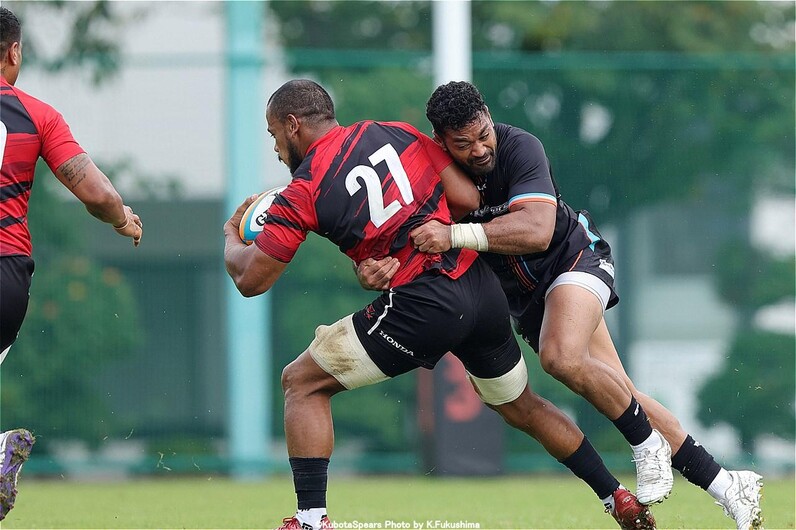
(254, 217)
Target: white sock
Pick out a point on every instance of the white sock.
(311, 517)
(653, 442)
(718, 488)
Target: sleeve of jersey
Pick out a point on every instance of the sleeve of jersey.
(530, 172)
(289, 219)
(438, 157)
(58, 144)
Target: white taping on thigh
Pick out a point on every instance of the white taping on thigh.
(339, 353)
(590, 282)
(503, 389)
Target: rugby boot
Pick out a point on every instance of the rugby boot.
(629, 513)
(15, 449)
(654, 472)
(742, 500)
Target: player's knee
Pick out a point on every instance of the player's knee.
(564, 368)
(294, 381)
(303, 378)
(288, 378)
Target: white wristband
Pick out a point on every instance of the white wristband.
(469, 235)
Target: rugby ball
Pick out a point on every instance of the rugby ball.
(254, 217)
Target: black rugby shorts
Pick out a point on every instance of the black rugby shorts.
(15, 275)
(415, 324)
(597, 262)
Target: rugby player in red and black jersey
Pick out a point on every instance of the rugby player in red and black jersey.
(30, 129)
(365, 187)
(557, 273)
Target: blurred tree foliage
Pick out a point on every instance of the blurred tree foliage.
(690, 115)
(80, 316)
(87, 34)
(354, 25)
(754, 391)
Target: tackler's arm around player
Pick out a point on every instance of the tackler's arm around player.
(526, 229)
(432, 237)
(252, 271)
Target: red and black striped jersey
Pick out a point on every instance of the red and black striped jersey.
(365, 187)
(29, 128)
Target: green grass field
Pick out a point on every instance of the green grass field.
(391, 502)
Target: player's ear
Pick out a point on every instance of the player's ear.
(14, 54)
(292, 124)
(488, 115)
(439, 142)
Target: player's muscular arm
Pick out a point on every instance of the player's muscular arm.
(90, 185)
(85, 180)
(526, 229)
(253, 271)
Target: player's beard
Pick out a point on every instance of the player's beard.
(294, 158)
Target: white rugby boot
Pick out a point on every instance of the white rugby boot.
(742, 500)
(654, 478)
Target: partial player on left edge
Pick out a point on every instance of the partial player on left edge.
(31, 129)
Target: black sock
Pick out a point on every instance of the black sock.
(587, 465)
(309, 478)
(695, 463)
(633, 423)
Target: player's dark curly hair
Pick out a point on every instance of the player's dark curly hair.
(454, 105)
(10, 30)
(302, 98)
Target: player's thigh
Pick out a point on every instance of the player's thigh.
(572, 314)
(337, 354)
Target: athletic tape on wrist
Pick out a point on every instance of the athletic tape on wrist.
(469, 235)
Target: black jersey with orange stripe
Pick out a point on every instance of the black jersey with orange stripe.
(522, 173)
